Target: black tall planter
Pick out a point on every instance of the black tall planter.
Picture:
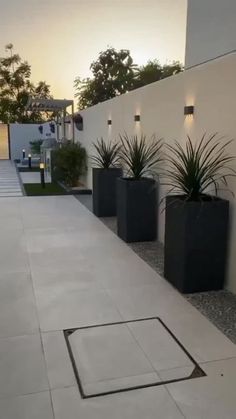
(137, 209)
(196, 237)
(104, 191)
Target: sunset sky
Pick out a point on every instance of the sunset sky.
(60, 38)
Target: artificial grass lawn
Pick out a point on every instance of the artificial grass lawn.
(26, 169)
(35, 189)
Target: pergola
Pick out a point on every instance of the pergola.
(58, 106)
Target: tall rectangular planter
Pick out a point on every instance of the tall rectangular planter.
(136, 209)
(104, 191)
(196, 239)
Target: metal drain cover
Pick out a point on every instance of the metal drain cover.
(124, 356)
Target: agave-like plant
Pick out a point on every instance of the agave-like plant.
(107, 154)
(140, 156)
(191, 171)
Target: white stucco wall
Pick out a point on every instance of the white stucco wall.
(22, 134)
(211, 88)
(211, 30)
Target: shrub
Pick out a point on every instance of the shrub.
(107, 154)
(139, 156)
(35, 146)
(69, 163)
(192, 170)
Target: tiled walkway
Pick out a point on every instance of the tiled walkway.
(218, 306)
(9, 181)
(62, 268)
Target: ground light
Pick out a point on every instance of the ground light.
(29, 161)
(23, 153)
(42, 178)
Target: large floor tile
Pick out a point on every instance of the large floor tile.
(63, 279)
(147, 301)
(31, 406)
(65, 309)
(18, 314)
(132, 272)
(10, 207)
(200, 337)
(159, 346)
(13, 251)
(211, 397)
(22, 366)
(10, 223)
(152, 403)
(54, 211)
(59, 367)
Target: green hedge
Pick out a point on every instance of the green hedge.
(69, 162)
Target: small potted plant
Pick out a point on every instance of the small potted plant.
(137, 192)
(104, 177)
(196, 222)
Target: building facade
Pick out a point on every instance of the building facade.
(211, 30)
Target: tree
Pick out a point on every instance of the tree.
(154, 71)
(113, 74)
(16, 87)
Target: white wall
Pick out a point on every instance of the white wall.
(211, 30)
(211, 88)
(22, 134)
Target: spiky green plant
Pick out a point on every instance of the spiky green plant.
(193, 170)
(140, 156)
(107, 155)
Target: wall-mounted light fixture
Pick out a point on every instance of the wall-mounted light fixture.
(137, 118)
(109, 122)
(189, 110)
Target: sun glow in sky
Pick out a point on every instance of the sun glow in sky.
(60, 38)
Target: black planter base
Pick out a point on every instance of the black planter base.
(104, 191)
(196, 238)
(136, 209)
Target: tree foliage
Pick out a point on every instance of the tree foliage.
(154, 71)
(35, 146)
(16, 87)
(115, 73)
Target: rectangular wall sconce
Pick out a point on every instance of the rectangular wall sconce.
(137, 118)
(109, 122)
(189, 110)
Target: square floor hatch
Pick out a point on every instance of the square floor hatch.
(123, 356)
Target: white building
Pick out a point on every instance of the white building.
(211, 30)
